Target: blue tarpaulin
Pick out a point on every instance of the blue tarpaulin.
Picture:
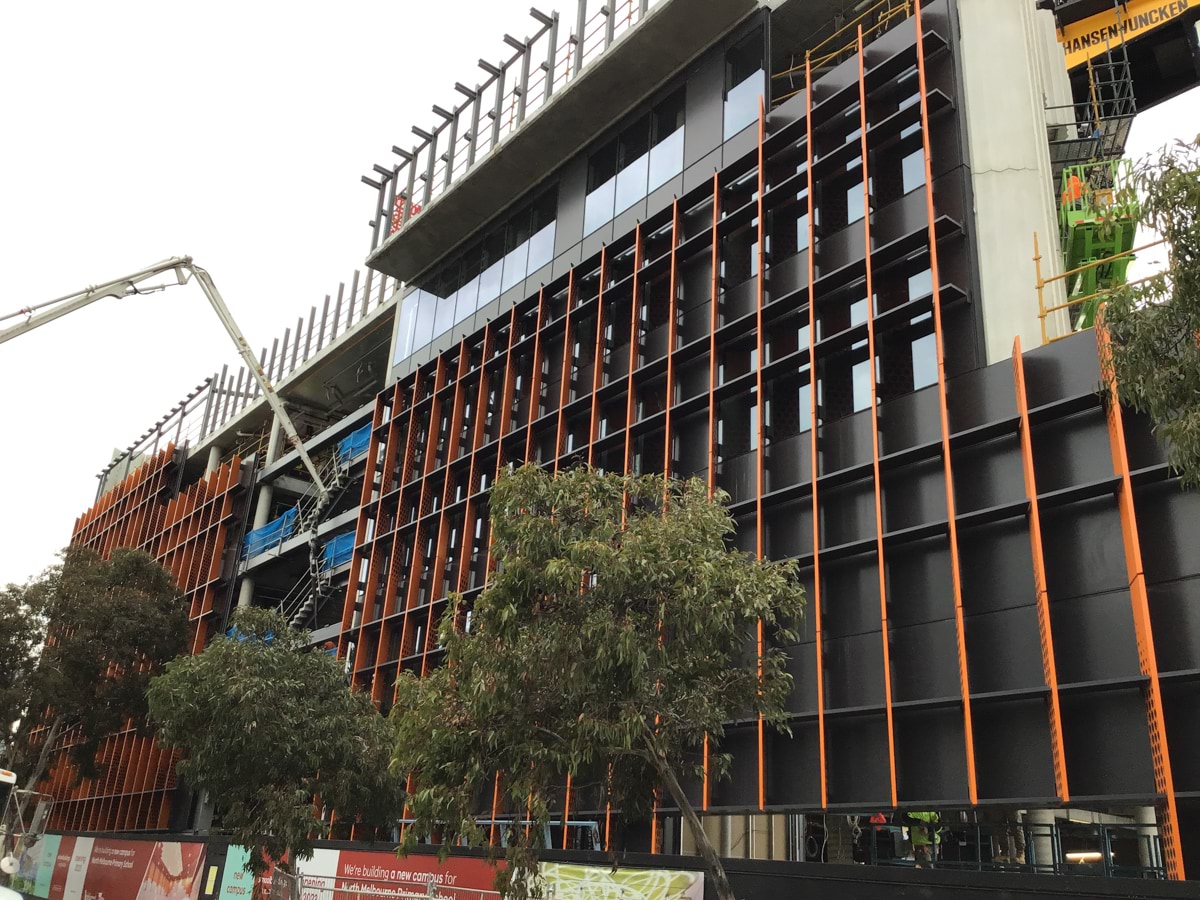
(337, 550)
(354, 444)
(270, 535)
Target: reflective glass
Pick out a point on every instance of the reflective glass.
(598, 206)
(741, 103)
(912, 170)
(423, 330)
(541, 247)
(631, 183)
(489, 283)
(405, 326)
(666, 159)
(443, 320)
(468, 294)
(515, 266)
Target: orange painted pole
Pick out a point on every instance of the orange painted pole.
(598, 359)
(876, 478)
(564, 386)
(951, 506)
(1049, 669)
(1160, 752)
(760, 482)
(714, 324)
(815, 443)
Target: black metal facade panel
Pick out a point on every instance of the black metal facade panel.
(961, 596)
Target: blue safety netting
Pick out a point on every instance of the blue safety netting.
(354, 444)
(270, 535)
(337, 551)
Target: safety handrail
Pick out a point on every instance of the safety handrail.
(1045, 311)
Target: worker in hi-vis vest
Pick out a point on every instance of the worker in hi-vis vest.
(923, 827)
(1072, 197)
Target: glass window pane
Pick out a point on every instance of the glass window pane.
(423, 331)
(602, 165)
(912, 170)
(598, 206)
(667, 117)
(489, 283)
(924, 356)
(515, 263)
(443, 319)
(920, 285)
(541, 247)
(468, 295)
(631, 183)
(405, 323)
(743, 59)
(854, 203)
(741, 103)
(666, 159)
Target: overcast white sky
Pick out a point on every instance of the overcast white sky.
(234, 132)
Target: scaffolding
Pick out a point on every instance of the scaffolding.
(1095, 129)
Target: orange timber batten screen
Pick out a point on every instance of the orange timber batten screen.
(189, 534)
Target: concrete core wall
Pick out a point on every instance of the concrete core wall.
(1011, 70)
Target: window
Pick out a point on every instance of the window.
(405, 323)
(646, 154)
(516, 247)
(601, 188)
(912, 170)
(478, 276)
(745, 82)
(666, 139)
(633, 162)
(541, 241)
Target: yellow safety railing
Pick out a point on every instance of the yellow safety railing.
(1045, 312)
(829, 49)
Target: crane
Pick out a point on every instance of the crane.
(184, 269)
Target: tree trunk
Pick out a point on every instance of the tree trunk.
(707, 852)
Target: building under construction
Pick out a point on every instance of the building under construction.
(788, 248)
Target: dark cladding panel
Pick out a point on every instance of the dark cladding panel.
(988, 475)
(1108, 750)
(1004, 651)
(704, 112)
(856, 757)
(794, 767)
(919, 588)
(740, 789)
(914, 495)
(925, 661)
(1093, 637)
(997, 567)
(572, 187)
(1083, 549)
(1072, 451)
(1012, 750)
(1175, 615)
(931, 764)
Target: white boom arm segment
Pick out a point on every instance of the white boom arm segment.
(184, 269)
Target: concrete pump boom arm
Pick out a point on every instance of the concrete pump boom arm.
(184, 269)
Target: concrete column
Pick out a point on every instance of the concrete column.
(1041, 841)
(214, 459)
(262, 509)
(274, 441)
(1007, 80)
(1146, 818)
(246, 592)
